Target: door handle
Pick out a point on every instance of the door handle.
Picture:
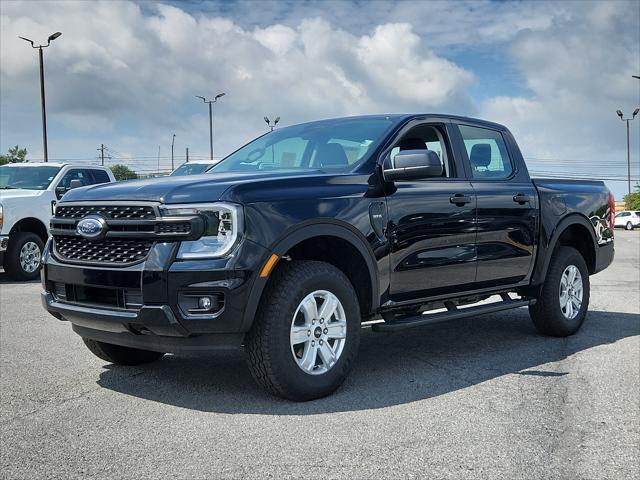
(460, 199)
(521, 198)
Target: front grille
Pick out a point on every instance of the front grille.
(115, 212)
(129, 232)
(117, 251)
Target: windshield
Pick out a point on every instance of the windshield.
(29, 178)
(190, 169)
(335, 145)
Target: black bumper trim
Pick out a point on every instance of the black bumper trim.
(201, 343)
(158, 320)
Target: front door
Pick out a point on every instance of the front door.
(431, 225)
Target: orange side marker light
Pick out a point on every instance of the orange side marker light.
(268, 266)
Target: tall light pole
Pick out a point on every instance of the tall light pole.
(172, 142)
(635, 112)
(53, 36)
(211, 102)
(268, 122)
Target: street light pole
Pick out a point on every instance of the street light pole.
(211, 102)
(269, 124)
(635, 112)
(172, 142)
(53, 36)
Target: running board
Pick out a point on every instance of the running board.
(452, 313)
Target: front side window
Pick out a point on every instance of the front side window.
(426, 137)
(29, 178)
(487, 152)
(75, 174)
(328, 145)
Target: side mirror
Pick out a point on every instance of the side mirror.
(60, 191)
(75, 183)
(412, 164)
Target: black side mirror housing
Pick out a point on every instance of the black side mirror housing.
(60, 191)
(412, 164)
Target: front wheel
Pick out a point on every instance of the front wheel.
(562, 305)
(628, 226)
(23, 256)
(306, 333)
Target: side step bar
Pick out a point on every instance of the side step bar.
(452, 313)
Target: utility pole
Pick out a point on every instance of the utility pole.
(158, 159)
(627, 120)
(53, 36)
(172, 141)
(187, 155)
(211, 102)
(101, 154)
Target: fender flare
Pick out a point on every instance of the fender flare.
(561, 227)
(304, 231)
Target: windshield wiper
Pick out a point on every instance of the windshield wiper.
(8, 187)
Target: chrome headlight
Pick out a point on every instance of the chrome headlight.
(223, 229)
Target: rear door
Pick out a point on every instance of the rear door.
(431, 224)
(507, 206)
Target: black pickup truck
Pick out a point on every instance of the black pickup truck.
(294, 240)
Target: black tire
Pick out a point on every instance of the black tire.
(268, 347)
(546, 313)
(12, 264)
(628, 226)
(121, 355)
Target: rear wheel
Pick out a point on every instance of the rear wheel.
(306, 333)
(23, 257)
(562, 304)
(120, 355)
(628, 226)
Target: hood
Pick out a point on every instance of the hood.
(19, 193)
(208, 187)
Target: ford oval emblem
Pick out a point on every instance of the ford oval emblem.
(91, 227)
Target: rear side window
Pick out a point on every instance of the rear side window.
(487, 152)
(100, 176)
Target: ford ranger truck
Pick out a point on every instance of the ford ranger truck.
(292, 242)
(28, 194)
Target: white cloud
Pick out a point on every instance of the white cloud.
(126, 74)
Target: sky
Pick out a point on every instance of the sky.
(125, 74)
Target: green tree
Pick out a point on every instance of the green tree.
(122, 172)
(14, 155)
(632, 200)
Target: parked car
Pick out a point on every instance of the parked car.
(28, 194)
(193, 168)
(627, 219)
(295, 239)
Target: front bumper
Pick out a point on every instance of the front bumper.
(160, 322)
(4, 242)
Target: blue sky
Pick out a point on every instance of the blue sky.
(126, 73)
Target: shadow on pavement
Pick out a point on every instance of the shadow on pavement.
(5, 280)
(391, 369)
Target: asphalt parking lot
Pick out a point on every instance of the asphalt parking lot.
(481, 398)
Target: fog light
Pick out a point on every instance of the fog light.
(204, 303)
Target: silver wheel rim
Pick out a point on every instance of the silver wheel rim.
(30, 257)
(318, 332)
(628, 226)
(571, 290)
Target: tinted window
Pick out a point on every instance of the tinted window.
(487, 152)
(76, 174)
(100, 176)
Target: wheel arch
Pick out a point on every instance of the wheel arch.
(33, 225)
(574, 231)
(297, 240)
